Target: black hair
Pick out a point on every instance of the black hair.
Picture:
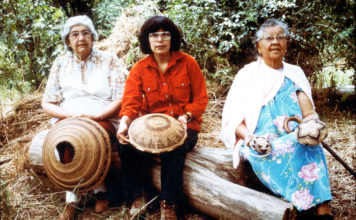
(155, 23)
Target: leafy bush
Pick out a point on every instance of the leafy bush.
(220, 33)
(106, 13)
(29, 41)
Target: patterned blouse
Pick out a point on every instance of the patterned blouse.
(85, 87)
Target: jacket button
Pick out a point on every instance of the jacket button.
(182, 84)
(148, 89)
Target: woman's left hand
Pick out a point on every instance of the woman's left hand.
(183, 119)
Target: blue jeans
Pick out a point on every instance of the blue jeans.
(135, 169)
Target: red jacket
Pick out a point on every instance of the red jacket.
(180, 89)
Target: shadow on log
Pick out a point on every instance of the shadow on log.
(211, 185)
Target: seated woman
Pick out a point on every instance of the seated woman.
(264, 94)
(84, 82)
(167, 81)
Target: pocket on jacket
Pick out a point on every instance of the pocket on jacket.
(182, 89)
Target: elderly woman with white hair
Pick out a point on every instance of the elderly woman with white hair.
(84, 82)
(263, 95)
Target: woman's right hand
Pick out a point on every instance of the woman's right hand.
(122, 133)
(260, 144)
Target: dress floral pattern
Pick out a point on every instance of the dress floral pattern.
(85, 87)
(292, 170)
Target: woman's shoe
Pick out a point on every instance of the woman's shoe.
(138, 206)
(168, 210)
(101, 206)
(68, 211)
(101, 203)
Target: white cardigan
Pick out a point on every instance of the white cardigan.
(254, 86)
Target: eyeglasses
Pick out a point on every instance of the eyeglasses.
(76, 34)
(165, 35)
(279, 38)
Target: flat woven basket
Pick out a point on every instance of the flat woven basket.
(92, 154)
(156, 133)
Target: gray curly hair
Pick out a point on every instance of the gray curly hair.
(271, 23)
(77, 20)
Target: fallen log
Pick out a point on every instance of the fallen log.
(211, 185)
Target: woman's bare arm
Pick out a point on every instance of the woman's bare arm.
(54, 110)
(242, 132)
(305, 104)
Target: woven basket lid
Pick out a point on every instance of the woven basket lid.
(92, 154)
(156, 133)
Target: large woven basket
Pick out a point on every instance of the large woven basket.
(92, 154)
(156, 133)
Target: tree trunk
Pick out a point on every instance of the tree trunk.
(211, 184)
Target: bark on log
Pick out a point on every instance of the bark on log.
(212, 185)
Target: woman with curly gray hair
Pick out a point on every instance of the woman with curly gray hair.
(84, 82)
(264, 94)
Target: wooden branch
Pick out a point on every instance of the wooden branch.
(211, 185)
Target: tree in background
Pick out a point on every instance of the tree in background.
(218, 33)
(29, 41)
(76, 7)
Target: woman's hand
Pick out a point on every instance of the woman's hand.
(110, 110)
(183, 119)
(260, 144)
(122, 134)
(241, 131)
(92, 117)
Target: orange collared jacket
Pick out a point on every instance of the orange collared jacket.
(180, 89)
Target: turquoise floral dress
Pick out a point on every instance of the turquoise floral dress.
(292, 170)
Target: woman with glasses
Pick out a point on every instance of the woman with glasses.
(84, 82)
(263, 95)
(166, 81)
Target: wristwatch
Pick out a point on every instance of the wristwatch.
(188, 116)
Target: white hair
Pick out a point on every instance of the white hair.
(77, 20)
(271, 23)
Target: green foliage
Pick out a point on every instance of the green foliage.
(334, 76)
(7, 212)
(220, 33)
(76, 7)
(29, 41)
(106, 13)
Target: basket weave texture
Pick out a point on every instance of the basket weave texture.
(311, 132)
(156, 133)
(92, 154)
